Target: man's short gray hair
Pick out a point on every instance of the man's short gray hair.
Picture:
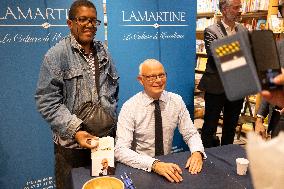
(146, 61)
(223, 4)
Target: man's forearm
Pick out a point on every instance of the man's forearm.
(134, 159)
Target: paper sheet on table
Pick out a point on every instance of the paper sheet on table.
(266, 161)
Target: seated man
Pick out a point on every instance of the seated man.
(139, 137)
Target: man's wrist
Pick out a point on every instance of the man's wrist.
(201, 153)
(79, 128)
(153, 168)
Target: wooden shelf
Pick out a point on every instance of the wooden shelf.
(258, 14)
(201, 54)
(199, 34)
(205, 15)
(199, 71)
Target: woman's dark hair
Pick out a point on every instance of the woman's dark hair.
(79, 3)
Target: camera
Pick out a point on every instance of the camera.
(247, 62)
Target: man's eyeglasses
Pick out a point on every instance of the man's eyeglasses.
(153, 78)
(83, 21)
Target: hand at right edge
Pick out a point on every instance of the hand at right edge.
(276, 97)
(259, 128)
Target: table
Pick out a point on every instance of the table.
(219, 171)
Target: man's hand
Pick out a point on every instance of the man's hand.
(194, 163)
(282, 111)
(259, 128)
(84, 139)
(169, 170)
(276, 97)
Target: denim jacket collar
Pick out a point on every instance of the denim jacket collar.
(102, 55)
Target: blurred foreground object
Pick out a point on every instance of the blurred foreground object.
(104, 183)
(247, 63)
(266, 161)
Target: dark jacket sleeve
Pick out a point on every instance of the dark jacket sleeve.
(280, 47)
(263, 108)
(209, 36)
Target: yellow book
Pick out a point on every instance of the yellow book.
(202, 64)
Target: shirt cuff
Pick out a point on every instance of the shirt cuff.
(150, 163)
(260, 116)
(203, 154)
(73, 126)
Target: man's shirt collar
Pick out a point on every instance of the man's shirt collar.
(148, 100)
(228, 28)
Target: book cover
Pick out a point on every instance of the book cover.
(260, 24)
(202, 64)
(103, 157)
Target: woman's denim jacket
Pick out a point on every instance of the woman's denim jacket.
(65, 83)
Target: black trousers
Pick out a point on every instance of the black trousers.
(214, 104)
(276, 123)
(279, 128)
(65, 160)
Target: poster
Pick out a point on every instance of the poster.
(27, 30)
(160, 29)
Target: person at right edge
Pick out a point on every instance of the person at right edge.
(276, 118)
(214, 97)
(276, 97)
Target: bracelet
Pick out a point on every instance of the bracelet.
(202, 155)
(154, 165)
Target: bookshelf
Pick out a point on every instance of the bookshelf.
(258, 14)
